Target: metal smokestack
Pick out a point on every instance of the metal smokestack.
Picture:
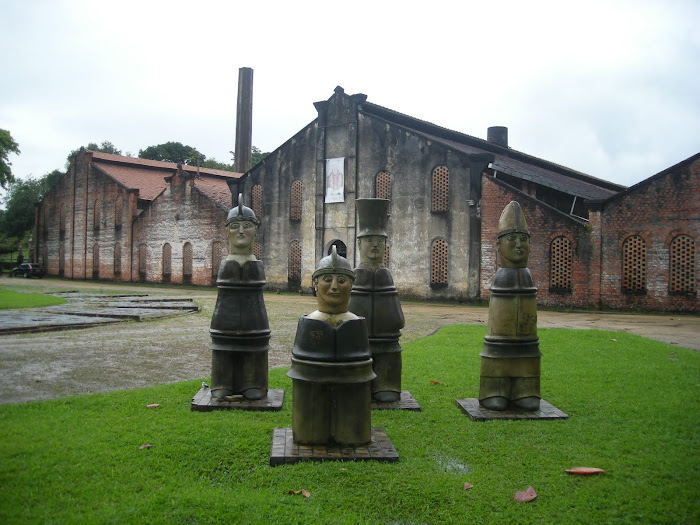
(244, 121)
(497, 135)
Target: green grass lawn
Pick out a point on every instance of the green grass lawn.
(632, 402)
(12, 299)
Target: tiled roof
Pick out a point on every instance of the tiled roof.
(216, 189)
(149, 181)
(507, 160)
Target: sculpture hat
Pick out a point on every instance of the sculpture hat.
(512, 220)
(334, 264)
(372, 215)
(241, 213)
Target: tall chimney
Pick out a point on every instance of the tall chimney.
(244, 121)
(497, 135)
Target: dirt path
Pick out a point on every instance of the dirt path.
(132, 355)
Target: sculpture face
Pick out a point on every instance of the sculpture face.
(514, 249)
(372, 248)
(333, 293)
(241, 235)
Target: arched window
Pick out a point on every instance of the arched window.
(62, 220)
(682, 266)
(95, 261)
(61, 259)
(382, 187)
(294, 265)
(117, 259)
(634, 265)
(340, 248)
(216, 258)
(256, 201)
(167, 262)
(257, 250)
(187, 262)
(438, 263)
(118, 214)
(440, 194)
(96, 215)
(295, 201)
(561, 264)
(386, 254)
(143, 263)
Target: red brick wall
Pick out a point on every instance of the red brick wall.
(545, 224)
(657, 210)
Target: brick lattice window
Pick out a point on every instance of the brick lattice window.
(187, 262)
(118, 214)
(386, 255)
(561, 264)
(62, 219)
(382, 187)
(634, 265)
(117, 259)
(257, 251)
(438, 263)
(295, 201)
(440, 195)
(95, 261)
(61, 259)
(96, 216)
(682, 266)
(294, 272)
(167, 261)
(216, 258)
(256, 201)
(143, 254)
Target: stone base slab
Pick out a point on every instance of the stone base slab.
(476, 412)
(405, 402)
(203, 402)
(284, 450)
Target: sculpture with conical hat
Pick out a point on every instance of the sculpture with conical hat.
(510, 359)
(240, 332)
(331, 365)
(375, 297)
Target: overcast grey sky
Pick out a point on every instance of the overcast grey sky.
(609, 88)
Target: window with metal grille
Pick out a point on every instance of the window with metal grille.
(634, 265)
(438, 263)
(187, 262)
(216, 258)
(386, 254)
(143, 253)
(561, 264)
(118, 214)
(96, 215)
(440, 195)
(117, 259)
(167, 261)
(294, 271)
(682, 266)
(257, 251)
(95, 261)
(256, 201)
(295, 201)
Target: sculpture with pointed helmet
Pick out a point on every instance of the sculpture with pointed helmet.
(239, 330)
(375, 298)
(510, 359)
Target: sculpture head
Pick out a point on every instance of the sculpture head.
(513, 241)
(241, 227)
(371, 237)
(333, 280)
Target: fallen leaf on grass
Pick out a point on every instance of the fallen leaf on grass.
(154, 405)
(303, 492)
(145, 445)
(467, 486)
(525, 496)
(614, 340)
(436, 383)
(584, 471)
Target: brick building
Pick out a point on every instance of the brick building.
(129, 219)
(595, 244)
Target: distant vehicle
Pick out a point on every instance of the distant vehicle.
(28, 270)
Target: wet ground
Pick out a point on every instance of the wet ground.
(135, 354)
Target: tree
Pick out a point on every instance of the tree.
(7, 146)
(19, 206)
(173, 152)
(257, 156)
(105, 147)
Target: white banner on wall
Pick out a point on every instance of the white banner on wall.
(335, 180)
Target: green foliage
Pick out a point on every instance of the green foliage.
(633, 410)
(10, 299)
(257, 156)
(105, 147)
(19, 206)
(7, 146)
(172, 152)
